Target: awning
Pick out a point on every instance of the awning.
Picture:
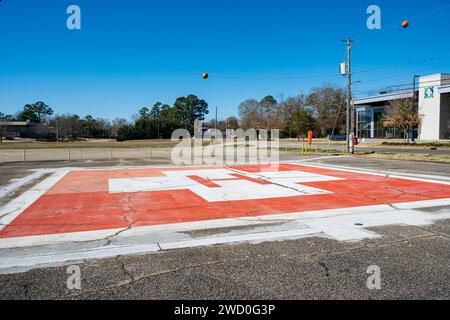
(384, 97)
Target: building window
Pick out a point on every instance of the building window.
(380, 131)
(364, 123)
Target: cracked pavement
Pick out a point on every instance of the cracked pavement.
(413, 260)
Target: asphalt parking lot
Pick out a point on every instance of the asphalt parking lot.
(413, 263)
(413, 260)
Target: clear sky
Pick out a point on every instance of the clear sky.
(133, 53)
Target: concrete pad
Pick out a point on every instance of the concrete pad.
(149, 209)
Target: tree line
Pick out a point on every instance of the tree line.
(156, 123)
(161, 120)
(323, 111)
(47, 125)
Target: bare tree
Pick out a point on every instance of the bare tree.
(69, 126)
(250, 113)
(329, 106)
(402, 115)
(270, 113)
(116, 125)
(297, 118)
(232, 123)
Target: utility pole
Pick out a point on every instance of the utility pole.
(349, 127)
(159, 125)
(415, 101)
(215, 122)
(298, 122)
(57, 128)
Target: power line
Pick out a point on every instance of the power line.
(400, 75)
(276, 77)
(404, 64)
(408, 84)
(402, 88)
(417, 19)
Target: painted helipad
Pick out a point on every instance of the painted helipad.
(76, 205)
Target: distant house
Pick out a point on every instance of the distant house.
(14, 129)
(22, 129)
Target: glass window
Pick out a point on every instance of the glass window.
(364, 123)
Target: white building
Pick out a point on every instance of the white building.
(433, 101)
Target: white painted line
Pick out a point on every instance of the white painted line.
(303, 217)
(252, 237)
(84, 236)
(50, 259)
(340, 228)
(422, 204)
(344, 228)
(314, 159)
(399, 175)
(17, 183)
(13, 209)
(182, 227)
(283, 184)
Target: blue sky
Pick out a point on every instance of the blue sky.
(133, 53)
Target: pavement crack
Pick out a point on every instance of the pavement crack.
(324, 266)
(132, 279)
(259, 221)
(4, 215)
(433, 232)
(393, 207)
(262, 178)
(369, 246)
(310, 256)
(125, 271)
(131, 224)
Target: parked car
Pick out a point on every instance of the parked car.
(337, 138)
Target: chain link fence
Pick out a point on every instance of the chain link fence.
(79, 154)
(138, 153)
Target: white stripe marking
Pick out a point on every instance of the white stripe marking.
(17, 183)
(12, 210)
(302, 217)
(341, 228)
